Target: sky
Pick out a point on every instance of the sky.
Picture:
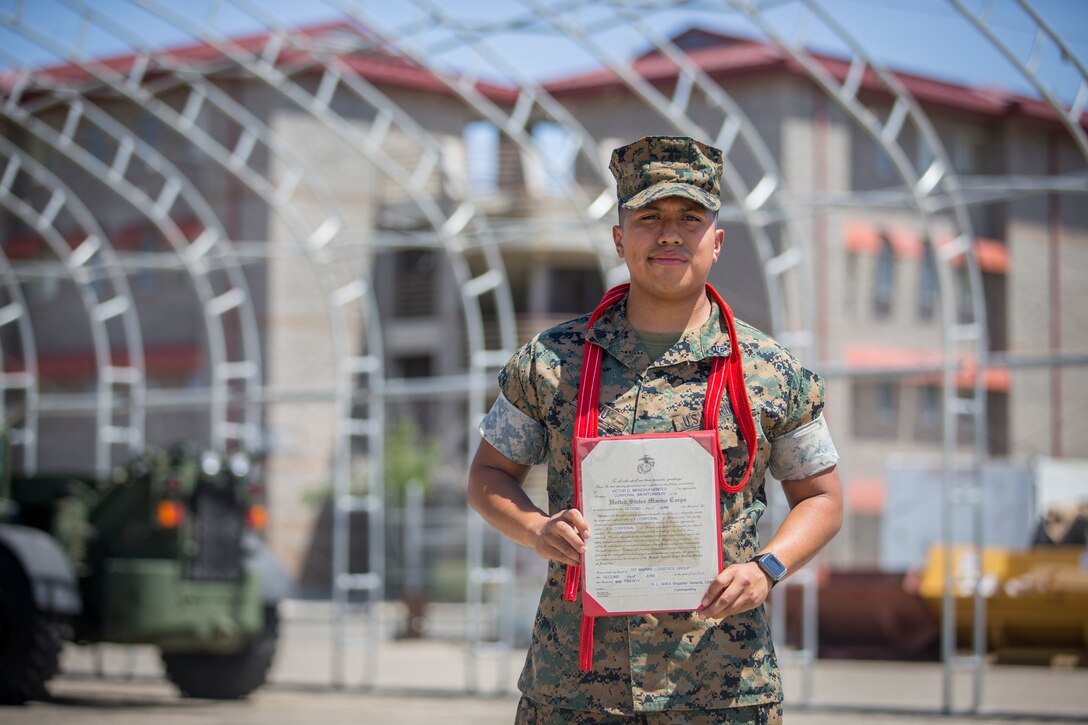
(929, 37)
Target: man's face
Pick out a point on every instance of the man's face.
(669, 246)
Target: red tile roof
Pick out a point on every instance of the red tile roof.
(718, 54)
(722, 56)
(376, 62)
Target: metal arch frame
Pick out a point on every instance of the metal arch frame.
(973, 333)
(735, 122)
(530, 95)
(1070, 117)
(95, 244)
(770, 185)
(146, 206)
(942, 172)
(774, 264)
(27, 379)
(158, 212)
(214, 238)
(768, 192)
(478, 574)
(769, 189)
(672, 113)
(446, 229)
(314, 246)
(513, 126)
(930, 197)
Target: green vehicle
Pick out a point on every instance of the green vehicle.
(165, 553)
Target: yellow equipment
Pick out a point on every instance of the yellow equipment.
(1035, 598)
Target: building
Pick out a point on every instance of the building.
(269, 142)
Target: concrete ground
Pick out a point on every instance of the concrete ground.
(424, 681)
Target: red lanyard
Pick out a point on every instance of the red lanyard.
(725, 373)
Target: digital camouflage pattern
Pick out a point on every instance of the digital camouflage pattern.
(660, 166)
(535, 713)
(668, 661)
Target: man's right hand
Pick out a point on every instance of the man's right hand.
(562, 537)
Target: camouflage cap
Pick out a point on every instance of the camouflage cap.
(658, 166)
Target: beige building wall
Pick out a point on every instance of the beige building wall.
(298, 330)
(1048, 243)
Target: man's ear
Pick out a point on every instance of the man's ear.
(719, 237)
(617, 239)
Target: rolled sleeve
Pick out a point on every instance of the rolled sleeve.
(803, 452)
(513, 433)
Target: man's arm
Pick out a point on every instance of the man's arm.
(495, 491)
(815, 517)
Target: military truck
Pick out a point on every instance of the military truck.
(166, 552)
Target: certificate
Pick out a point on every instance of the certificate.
(652, 506)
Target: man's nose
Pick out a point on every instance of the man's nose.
(670, 232)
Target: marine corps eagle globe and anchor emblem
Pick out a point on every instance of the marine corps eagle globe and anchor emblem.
(645, 465)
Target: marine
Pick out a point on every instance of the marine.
(658, 344)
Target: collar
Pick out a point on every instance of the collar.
(613, 333)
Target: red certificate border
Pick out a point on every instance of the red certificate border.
(708, 440)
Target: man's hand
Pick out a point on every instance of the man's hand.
(738, 588)
(495, 490)
(562, 537)
(815, 515)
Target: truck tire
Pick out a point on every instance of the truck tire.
(30, 640)
(226, 676)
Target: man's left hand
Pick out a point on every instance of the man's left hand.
(738, 588)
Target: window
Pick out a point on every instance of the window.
(930, 420)
(414, 280)
(875, 407)
(927, 283)
(554, 167)
(884, 278)
(970, 152)
(481, 139)
(882, 163)
(425, 412)
(412, 366)
(887, 405)
(964, 302)
(850, 289)
(573, 291)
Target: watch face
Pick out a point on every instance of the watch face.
(774, 568)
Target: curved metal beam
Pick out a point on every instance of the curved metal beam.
(676, 116)
(315, 244)
(446, 229)
(94, 247)
(26, 380)
(157, 211)
(1071, 116)
(920, 186)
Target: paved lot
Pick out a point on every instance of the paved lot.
(423, 681)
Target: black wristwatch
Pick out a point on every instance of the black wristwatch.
(772, 566)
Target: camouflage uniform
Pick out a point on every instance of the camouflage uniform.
(535, 713)
(653, 663)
